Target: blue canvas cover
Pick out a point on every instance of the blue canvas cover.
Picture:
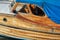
(51, 8)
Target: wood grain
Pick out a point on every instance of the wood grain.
(20, 26)
(27, 34)
(23, 23)
(40, 20)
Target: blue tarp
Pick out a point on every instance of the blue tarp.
(51, 8)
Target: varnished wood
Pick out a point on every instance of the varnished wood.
(14, 7)
(16, 22)
(21, 27)
(27, 34)
(38, 19)
(29, 26)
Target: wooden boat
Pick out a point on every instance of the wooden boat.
(29, 26)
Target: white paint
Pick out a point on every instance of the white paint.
(5, 7)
